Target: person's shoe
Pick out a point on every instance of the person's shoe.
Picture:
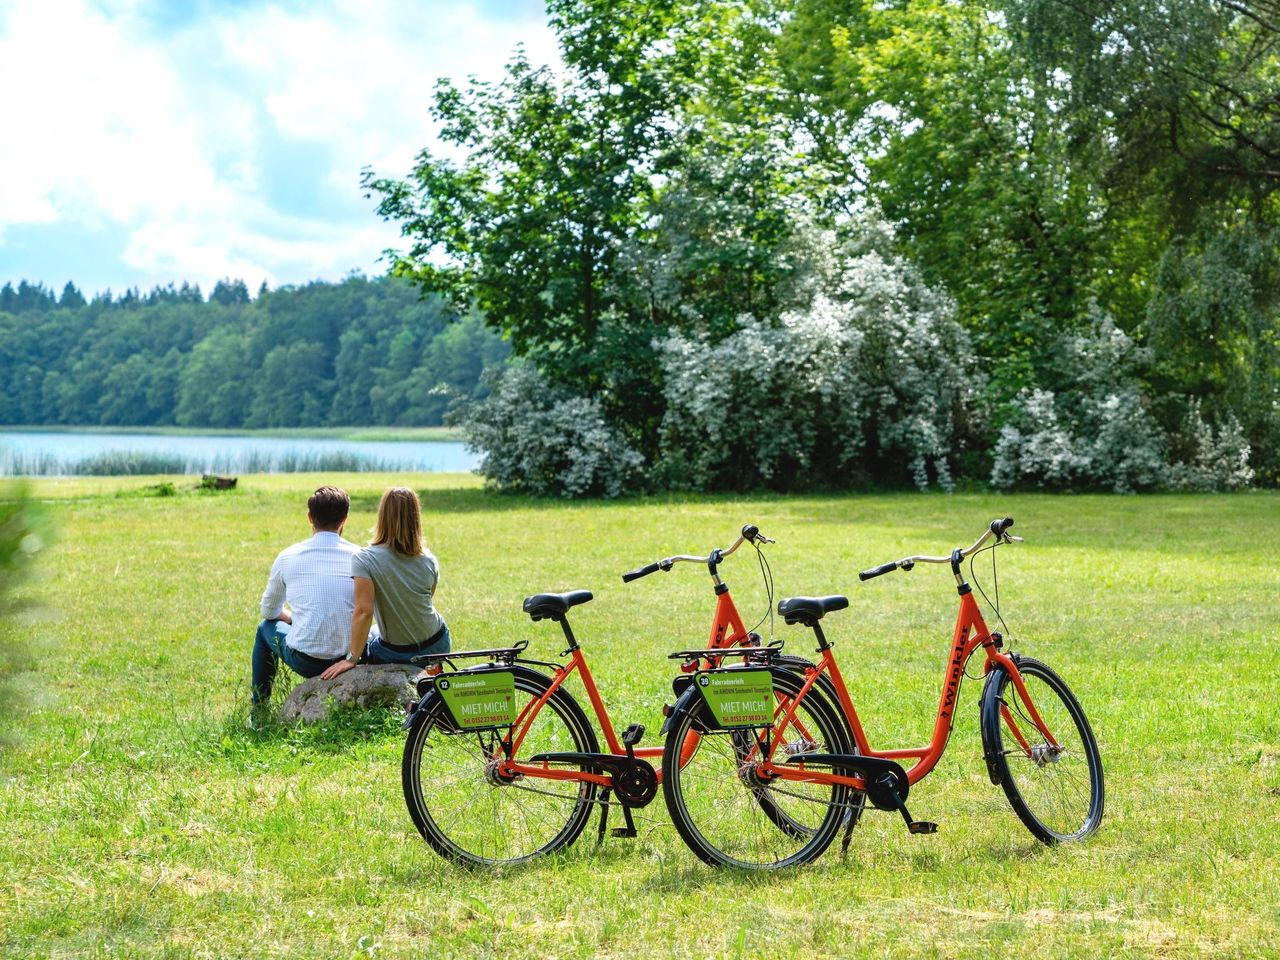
(259, 716)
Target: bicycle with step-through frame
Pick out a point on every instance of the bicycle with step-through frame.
(501, 763)
(766, 730)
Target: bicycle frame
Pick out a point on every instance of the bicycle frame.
(727, 630)
(970, 633)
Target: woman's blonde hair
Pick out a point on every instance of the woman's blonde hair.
(400, 522)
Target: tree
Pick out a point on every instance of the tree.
(230, 293)
(72, 298)
(632, 192)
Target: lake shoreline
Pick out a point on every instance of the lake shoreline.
(65, 452)
(381, 434)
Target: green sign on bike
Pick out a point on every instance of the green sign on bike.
(480, 700)
(738, 698)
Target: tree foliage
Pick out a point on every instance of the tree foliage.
(359, 352)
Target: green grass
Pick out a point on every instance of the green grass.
(142, 819)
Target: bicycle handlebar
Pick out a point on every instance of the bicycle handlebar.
(750, 534)
(878, 571)
(641, 572)
(998, 528)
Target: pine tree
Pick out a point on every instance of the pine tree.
(72, 298)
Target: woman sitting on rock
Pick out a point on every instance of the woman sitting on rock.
(395, 578)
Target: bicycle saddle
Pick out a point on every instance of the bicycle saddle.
(553, 606)
(809, 610)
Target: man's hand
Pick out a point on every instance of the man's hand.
(336, 669)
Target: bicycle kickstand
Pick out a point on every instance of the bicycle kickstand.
(604, 816)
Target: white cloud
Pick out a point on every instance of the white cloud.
(114, 121)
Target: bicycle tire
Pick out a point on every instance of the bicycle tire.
(1048, 789)
(479, 822)
(720, 815)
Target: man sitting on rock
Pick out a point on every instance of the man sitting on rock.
(308, 601)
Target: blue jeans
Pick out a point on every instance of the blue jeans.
(378, 652)
(268, 647)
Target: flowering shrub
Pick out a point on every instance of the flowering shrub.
(1097, 434)
(873, 376)
(541, 441)
(1219, 459)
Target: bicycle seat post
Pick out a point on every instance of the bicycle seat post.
(568, 632)
(822, 637)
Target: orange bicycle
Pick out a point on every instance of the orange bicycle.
(765, 730)
(501, 764)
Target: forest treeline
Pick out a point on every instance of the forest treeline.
(363, 351)
(832, 243)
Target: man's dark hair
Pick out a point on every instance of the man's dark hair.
(329, 507)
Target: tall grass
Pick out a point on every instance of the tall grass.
(127, 463)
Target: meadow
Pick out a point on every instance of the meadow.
(142, 818)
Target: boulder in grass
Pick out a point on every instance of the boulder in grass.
(362, 687)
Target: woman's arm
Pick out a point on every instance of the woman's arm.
(361, 618)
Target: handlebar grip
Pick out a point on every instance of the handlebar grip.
(749, 532)
(998, 527)
(878, 571)
(640, 572)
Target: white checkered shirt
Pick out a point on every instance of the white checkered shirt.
(314, 578)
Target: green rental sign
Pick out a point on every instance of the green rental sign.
(738, 698)
(479, 700)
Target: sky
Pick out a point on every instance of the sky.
(146, 143)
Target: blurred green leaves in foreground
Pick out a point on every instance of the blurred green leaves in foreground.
(24, 532)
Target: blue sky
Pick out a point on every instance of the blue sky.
(146, 143)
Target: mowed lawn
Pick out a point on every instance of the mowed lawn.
(142, 818)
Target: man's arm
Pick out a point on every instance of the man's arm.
(273, 596)
(361, 618)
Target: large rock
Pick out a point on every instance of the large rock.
(365, 686)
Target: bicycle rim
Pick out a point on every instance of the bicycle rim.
(470, 817)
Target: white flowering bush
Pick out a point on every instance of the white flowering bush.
(1218, 460)
(872, 379)
(1112, 443)
(538, 440)
(1098, 434)
(767, 405)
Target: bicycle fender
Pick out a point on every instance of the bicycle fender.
(418, 709)
(689, 700)
(990, 721)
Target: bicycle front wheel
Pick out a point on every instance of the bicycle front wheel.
(1055, 788)
(478, 819)
(728, 815)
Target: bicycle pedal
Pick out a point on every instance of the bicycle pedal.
(631, 736)
(623, 832)
(923, 826)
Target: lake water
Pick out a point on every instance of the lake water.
(56, 453)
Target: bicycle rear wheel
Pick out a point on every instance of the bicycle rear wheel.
(1057, 791)
(475, 818)
(727, 816)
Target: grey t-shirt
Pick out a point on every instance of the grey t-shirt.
(403, 588)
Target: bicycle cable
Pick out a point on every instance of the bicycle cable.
(766, 574)
(995, 577)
